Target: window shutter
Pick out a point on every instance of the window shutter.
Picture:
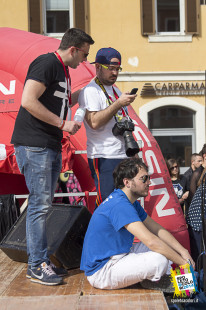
(79, 6)
(35, 23)
(192, 16)
(147, 17)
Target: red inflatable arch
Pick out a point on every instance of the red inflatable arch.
(18, 49)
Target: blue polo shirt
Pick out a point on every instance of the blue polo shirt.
(106, 235)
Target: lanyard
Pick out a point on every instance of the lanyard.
(68, 79)
(97, 81)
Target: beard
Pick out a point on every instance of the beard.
(107, 81)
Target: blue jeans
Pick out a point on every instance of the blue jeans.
(102, 173)
(41, 168)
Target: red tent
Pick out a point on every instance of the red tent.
(18, 49)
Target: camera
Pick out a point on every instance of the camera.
(125, 129)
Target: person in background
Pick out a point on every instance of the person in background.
(104, 105)
(109, 259)
(196, 162)
(196, 174)
(37, 139)
(178, 182)
(194, 217)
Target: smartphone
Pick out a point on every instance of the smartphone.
(133, 91)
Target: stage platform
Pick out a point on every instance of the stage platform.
(19, 293)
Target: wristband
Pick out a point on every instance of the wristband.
(62, 124)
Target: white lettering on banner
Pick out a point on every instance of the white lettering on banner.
(2, 152)
(137, 131)
(162, 203)
(157, 181)
(149, 155)
(10, 91)
(153, 165)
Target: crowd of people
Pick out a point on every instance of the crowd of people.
(190, 190)
(110, 260)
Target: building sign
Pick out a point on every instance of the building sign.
(173, 89)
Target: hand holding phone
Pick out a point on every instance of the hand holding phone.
(133, 91)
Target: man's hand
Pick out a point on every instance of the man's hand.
(186, 256)
(185, 195)
(126, 99)
(71, 127)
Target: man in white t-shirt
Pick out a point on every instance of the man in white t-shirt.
(105, 105)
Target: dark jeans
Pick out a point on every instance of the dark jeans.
(102, 173)
(195, 243)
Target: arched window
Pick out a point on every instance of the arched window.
(173, 128)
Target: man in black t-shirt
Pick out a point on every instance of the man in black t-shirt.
(37, 139)
(196, 162)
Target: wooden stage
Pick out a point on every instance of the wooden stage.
(19, 293)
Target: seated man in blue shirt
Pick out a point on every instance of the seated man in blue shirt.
(109, 257)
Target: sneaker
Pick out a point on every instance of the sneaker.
(44, 274)
(164, 284)
(28, 273)
(60, 271)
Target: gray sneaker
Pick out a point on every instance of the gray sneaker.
(44, 274)
(164, 284)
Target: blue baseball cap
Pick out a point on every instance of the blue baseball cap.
(104, 56)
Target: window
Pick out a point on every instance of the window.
(58, 16)
(173, 129)
(170, 17)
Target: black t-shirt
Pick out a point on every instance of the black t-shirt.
(179, 186)
(188, 175)
(30, 131)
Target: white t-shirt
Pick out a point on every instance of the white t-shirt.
(101, 143)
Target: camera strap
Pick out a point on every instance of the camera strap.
(110, 100)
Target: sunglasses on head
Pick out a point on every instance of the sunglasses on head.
(145, 178)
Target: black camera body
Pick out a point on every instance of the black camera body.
(125, 129)
(120, 127)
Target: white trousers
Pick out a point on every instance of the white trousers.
(130, 268)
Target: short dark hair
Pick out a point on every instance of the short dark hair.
(75, 37)
(127, 168)
(194, 155)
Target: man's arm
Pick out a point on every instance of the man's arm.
(166, 237)
(30, 101)
(98, 119)
(74, 97)
(157, 239)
